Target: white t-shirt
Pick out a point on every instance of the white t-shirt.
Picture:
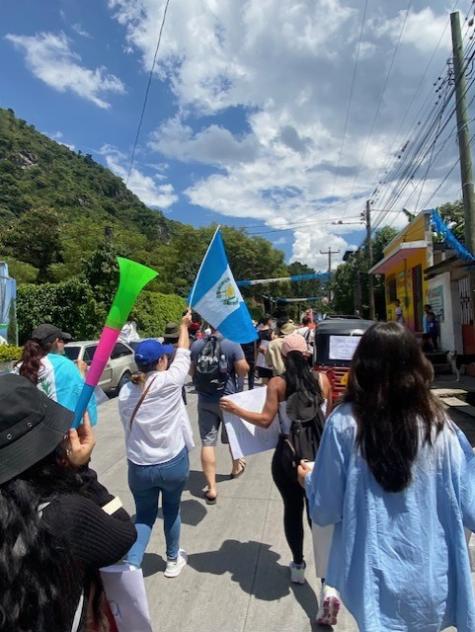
(161, 427)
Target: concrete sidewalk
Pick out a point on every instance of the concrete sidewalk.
(237, 579)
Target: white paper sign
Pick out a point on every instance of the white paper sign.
(125, 592)
(343, 347)
(245, 438)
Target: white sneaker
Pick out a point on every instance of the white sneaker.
(297, 573)
(329, 606)
(174, 567)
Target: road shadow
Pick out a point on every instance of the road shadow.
(255, 567)
(153, 563)
(192, 513)
(196, 482)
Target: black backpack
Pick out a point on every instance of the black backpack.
(211, 368)
(304, 410)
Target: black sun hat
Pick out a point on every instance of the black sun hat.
(31, 425)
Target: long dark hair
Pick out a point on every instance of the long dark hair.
(298, 375)
(389, 389)
(31, 357)
(31, 557)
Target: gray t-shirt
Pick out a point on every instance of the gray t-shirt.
(233, 353)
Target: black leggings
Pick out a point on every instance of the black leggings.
(294, 499)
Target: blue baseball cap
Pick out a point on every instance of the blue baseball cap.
(150, 351)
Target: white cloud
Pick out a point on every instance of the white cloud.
(50, 59)
(423, 29)
(145, 187)
(287, 67)
(213, 145)
(77, 28)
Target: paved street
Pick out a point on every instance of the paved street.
(237, 579)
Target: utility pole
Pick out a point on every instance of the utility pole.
(369, 251)
(468, 193)
(329, 252)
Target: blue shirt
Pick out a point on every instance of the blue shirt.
(233, 352)
(399, 560)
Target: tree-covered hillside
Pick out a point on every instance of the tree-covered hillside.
(59, 207)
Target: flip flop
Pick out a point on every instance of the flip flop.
(241, 471)
(210, 500)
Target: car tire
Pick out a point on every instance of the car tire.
(123, 380)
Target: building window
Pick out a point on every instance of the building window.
(392, 289)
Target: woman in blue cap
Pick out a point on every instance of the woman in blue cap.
(158, 437)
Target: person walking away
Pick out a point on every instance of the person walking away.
(398, 312)
(274, 358)
(43, 363)
(216, 366)
(250, 351)
(308, 332)
(158, 437)
(57, 529)
(301, 399)
(396, 478)
(265, 333)
(431, 327)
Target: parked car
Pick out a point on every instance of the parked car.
(135, 343)
(118, 370)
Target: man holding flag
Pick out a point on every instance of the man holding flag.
(218, 360)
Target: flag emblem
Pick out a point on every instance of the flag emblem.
(226, 292)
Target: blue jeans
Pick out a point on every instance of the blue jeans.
(146, 482)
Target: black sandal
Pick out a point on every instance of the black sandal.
(210, 500)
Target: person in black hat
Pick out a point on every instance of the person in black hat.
(43, 363)
(55, 530)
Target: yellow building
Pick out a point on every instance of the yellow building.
(405, 260)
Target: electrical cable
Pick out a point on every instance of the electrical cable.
(147, 91)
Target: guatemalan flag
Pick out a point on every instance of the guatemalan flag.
(216, 297)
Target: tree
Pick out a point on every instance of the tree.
(350, 283)
(454, 213)
(101, 272)
(34, 239)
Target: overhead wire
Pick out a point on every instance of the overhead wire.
(147, 92)
(383, 91)
(421, 152)
(398, 171)
(351, 93)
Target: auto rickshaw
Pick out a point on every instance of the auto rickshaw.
(336, 340)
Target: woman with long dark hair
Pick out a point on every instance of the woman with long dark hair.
(298, 380)
(55, 530)
(43, 363)
(396, 478)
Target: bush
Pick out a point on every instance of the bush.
(154, 310)
(9, 353)
(70, 305)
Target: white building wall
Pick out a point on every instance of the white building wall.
(441, 286)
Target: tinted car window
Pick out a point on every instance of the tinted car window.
(72, 352)
(119, 351)
(89, 353)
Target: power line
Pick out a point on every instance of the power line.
(322, 222)
(147, 91)
(420, 153)
(352, 88)
(381, 96)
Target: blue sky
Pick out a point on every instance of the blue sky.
(246, 115)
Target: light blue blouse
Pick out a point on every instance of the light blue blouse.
(399, 560)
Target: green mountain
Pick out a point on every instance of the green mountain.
(58, 207)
